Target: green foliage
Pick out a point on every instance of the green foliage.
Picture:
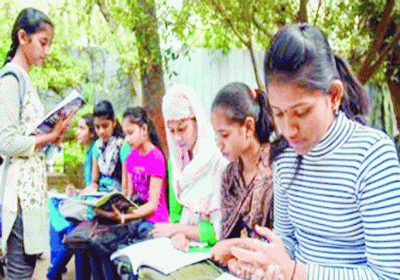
(70, 134)
(382, 113)
(227, 24)
(74, 156)
(61, 70)
(350, 33)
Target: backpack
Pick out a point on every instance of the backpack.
(9, 70)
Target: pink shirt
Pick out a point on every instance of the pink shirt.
(142, 169)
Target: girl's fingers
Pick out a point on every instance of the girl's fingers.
(180, 242)
(222, 251)
(259, 274)
(253, 244)
(268, 234)
(116, 211)
(114, 208)
(248, 255)
(273, 273)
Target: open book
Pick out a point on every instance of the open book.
(104, 200)
(68, 106)
(159, 254)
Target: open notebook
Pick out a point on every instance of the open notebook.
(159, 254)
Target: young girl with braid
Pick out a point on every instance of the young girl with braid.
(25, 219)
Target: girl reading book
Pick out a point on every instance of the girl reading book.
(106, 167)
(197, 166)
(146, 170)
(243, 128)
(195, 190)
(59, 255)
(145, 166)
(336, 183)
(25, 222)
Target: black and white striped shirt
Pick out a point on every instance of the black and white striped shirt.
(340, 214)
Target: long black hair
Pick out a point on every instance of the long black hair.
(104, 109)
(31, 21)
(300, 54)
(139, 116)
(239, 103)
(89, 120)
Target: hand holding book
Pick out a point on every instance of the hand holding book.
(53, 126)
(60, 127)
(114, 206)
(63, 110)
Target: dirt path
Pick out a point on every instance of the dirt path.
(43, 264)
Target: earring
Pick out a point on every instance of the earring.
(335, 112)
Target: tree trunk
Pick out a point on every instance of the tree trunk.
(375, 55)
(393, 80)
(151, 70)
(260, 83)
(302, 14)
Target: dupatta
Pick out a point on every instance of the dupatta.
(197, 182)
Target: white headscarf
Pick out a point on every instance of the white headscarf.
(198, 185)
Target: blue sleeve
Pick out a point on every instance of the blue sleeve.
(125, 151)
(95, 150)
(88, 165)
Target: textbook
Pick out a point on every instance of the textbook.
(159, 254)
(104, 200)
(68, 106)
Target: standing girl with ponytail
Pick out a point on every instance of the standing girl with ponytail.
(336, 184)
(25, 222)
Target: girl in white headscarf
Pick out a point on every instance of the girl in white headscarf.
(196, 168)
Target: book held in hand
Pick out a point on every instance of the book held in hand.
(104, 200)
(68, 106)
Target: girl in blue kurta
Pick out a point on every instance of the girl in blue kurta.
(107, 166)
(60, 256)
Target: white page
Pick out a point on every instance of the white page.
(160, 254)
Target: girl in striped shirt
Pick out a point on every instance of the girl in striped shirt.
(336, 183)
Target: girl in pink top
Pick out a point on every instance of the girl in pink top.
(146, 168)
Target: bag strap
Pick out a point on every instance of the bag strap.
(5, 71)
(8, 70)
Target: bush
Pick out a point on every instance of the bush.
(74, 156)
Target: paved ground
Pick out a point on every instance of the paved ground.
(43, 264)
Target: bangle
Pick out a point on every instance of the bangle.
(294, 270)
(123, 219)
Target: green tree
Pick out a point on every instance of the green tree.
(364, 32)
(61, 70)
